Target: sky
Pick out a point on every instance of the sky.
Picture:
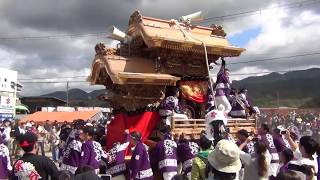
(271, 29)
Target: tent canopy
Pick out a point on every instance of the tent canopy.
(60, 116)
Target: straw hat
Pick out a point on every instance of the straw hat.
(225, 157)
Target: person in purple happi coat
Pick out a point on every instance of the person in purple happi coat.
(91, 151)
(186, 151)
(116, 166)
(72, 152)
(5, 165)
(279, 142)
(165, 154)
(267, 139)
(222, 88)
(139, 167)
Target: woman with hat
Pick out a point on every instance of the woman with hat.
(224, 161)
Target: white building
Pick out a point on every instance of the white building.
(8, 93)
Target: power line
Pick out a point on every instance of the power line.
(57, 36)
(257, 11)
(276, 58)
(44, 78)
(231, 63)
(53, 82)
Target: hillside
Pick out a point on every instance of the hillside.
(78, 97)
(292, 89)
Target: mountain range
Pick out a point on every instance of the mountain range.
(291, 89)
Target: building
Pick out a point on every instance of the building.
(35, 103)
(8, 92)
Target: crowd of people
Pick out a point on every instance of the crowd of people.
(78, 153)
(307, 121)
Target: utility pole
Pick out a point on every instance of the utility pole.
(278, 99)
(67, 93)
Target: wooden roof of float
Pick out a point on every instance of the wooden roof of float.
(159, 33)
(133, 70)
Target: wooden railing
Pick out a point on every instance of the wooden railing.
(195, 126)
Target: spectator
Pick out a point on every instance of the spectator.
(65, 175)
(286, 157)
(304, 153)
(267, 139)
(224, 161)
(200, 162)
(42, 133)
(256, 166)
(87, 172)
(5, 165)
(288, 175)
(42, 166)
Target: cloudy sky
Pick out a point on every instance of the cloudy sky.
(273, 28)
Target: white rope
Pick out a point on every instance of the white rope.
(205, 54)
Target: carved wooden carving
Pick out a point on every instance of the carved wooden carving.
(218, 31)
(101, 49)
(135, 18)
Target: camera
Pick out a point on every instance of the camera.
(283, 132)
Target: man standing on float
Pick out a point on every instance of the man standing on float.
(222, 88)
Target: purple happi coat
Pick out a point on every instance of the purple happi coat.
(284, 168)
(117, 165)
(186, 151)
(140, 167)
(171, 103)
(222, 83)
(237, 110)
(280, 144)
(166, 155)
(5, 165)
(91, 154)
(71, 154)
(268, 140)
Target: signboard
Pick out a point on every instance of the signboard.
(65, 109)
(6, 111)
(6, 102)
(8, 80)
(4, 116)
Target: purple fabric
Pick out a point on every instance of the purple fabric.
(318, 161)
(90, 154)
(223, 80)
(140, 164)
(117, 165)
(268, 140)
(284, 168)
(166, 155)
(171, 103)
(4, 172)
(279, 144)
(186, 151)
(72, 152)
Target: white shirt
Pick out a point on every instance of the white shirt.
(305, 161)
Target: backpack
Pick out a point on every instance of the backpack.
(207, 168)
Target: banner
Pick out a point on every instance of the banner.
(144, 123)
(194, 90)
